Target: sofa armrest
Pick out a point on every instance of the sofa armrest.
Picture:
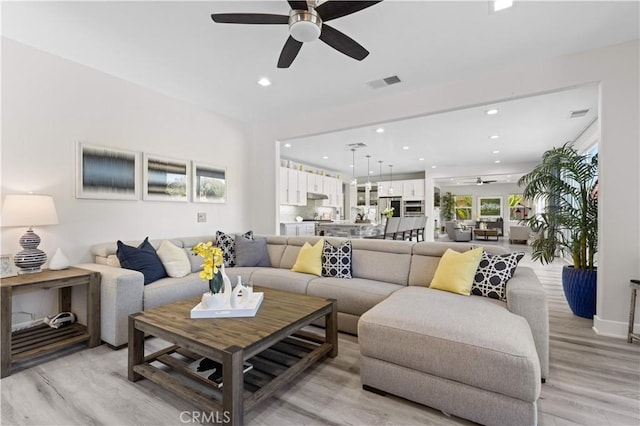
(527, 298)
(121, 293)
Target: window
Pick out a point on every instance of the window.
(463, 204)
(518, 209)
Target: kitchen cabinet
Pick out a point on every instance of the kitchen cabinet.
(330, 188)
(293, 187)
(298, 229)
(397, 189)
(413, 189)
(314, 183)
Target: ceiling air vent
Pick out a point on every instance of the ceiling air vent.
(578, 113)
(383, 82)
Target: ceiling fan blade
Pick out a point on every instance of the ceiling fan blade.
(249, 18)
(298, 5)
(289, 52)
(337, 9)
(342, 43)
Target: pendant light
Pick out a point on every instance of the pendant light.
(380, 185)
(391, 179)
(354, 181)
(367, 186)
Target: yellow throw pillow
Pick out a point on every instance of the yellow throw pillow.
(456, 271)
(309, 259)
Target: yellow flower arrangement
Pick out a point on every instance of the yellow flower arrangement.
(212, 261)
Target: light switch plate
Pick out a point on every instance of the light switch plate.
(202, 217)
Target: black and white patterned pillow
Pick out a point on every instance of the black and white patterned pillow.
(227, 243)
(493, 273)
(336, 261)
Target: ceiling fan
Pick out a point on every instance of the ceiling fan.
(307, 23)
(479, 181)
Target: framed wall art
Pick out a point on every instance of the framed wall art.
(107, 173)
(165, 179)
(490, 206)
(209, 183)
(7, 268)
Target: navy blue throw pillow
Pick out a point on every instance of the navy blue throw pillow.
(142, 259)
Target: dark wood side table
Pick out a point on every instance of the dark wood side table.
(42, 339)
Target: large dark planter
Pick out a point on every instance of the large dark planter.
(579, 287)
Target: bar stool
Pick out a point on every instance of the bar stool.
(635, 286)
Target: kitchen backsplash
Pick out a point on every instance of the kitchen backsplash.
(289, 213)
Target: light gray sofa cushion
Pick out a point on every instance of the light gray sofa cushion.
(355, 296)
(467, 339)
(282, 279)
(168, 290)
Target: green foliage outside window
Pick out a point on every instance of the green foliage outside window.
(464, 204)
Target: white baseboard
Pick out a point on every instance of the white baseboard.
(609, 328)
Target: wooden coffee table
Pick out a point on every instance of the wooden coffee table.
(485, 233)
(272, 342)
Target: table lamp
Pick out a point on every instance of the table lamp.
(29, 210)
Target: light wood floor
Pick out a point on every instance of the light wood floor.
(593, 380)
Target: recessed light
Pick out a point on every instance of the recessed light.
(371, 172)
(264, 82)
(287, 145)
(494, 137)
(492, 111)
(496, 151)
(405, 147)
(434, 166)
(420, 159)
(351, 165)
(379, 130)
(324, 157)
(497, 161)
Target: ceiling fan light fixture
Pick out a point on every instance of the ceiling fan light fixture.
(305, 25)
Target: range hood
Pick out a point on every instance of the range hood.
(316, 196)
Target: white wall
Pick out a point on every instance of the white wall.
(616, 68)
(48, 103)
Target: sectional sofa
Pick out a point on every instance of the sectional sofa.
(422, 344)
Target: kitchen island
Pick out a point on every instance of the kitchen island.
(350, 229)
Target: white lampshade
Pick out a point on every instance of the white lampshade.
(29, 210)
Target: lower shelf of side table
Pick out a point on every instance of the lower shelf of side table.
(43, 339)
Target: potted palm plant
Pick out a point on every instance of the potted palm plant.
(447, 207)
(567, 183)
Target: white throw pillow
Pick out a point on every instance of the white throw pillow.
(174, 259)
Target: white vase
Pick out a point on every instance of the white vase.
(214, 301)
(226, 288)
(59, 261)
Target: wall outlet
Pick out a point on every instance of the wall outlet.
(202, 217)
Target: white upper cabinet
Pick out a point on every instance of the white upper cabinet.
(314, 183)
(293, 187)
(413, 189)
(330, 188)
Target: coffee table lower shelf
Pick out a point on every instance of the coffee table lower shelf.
(272, 368)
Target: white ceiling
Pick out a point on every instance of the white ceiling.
(176, 49)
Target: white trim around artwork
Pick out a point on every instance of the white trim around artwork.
(165, 179)
(105, 173)
(208, 183)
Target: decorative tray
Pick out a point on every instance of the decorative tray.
(248, 310)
